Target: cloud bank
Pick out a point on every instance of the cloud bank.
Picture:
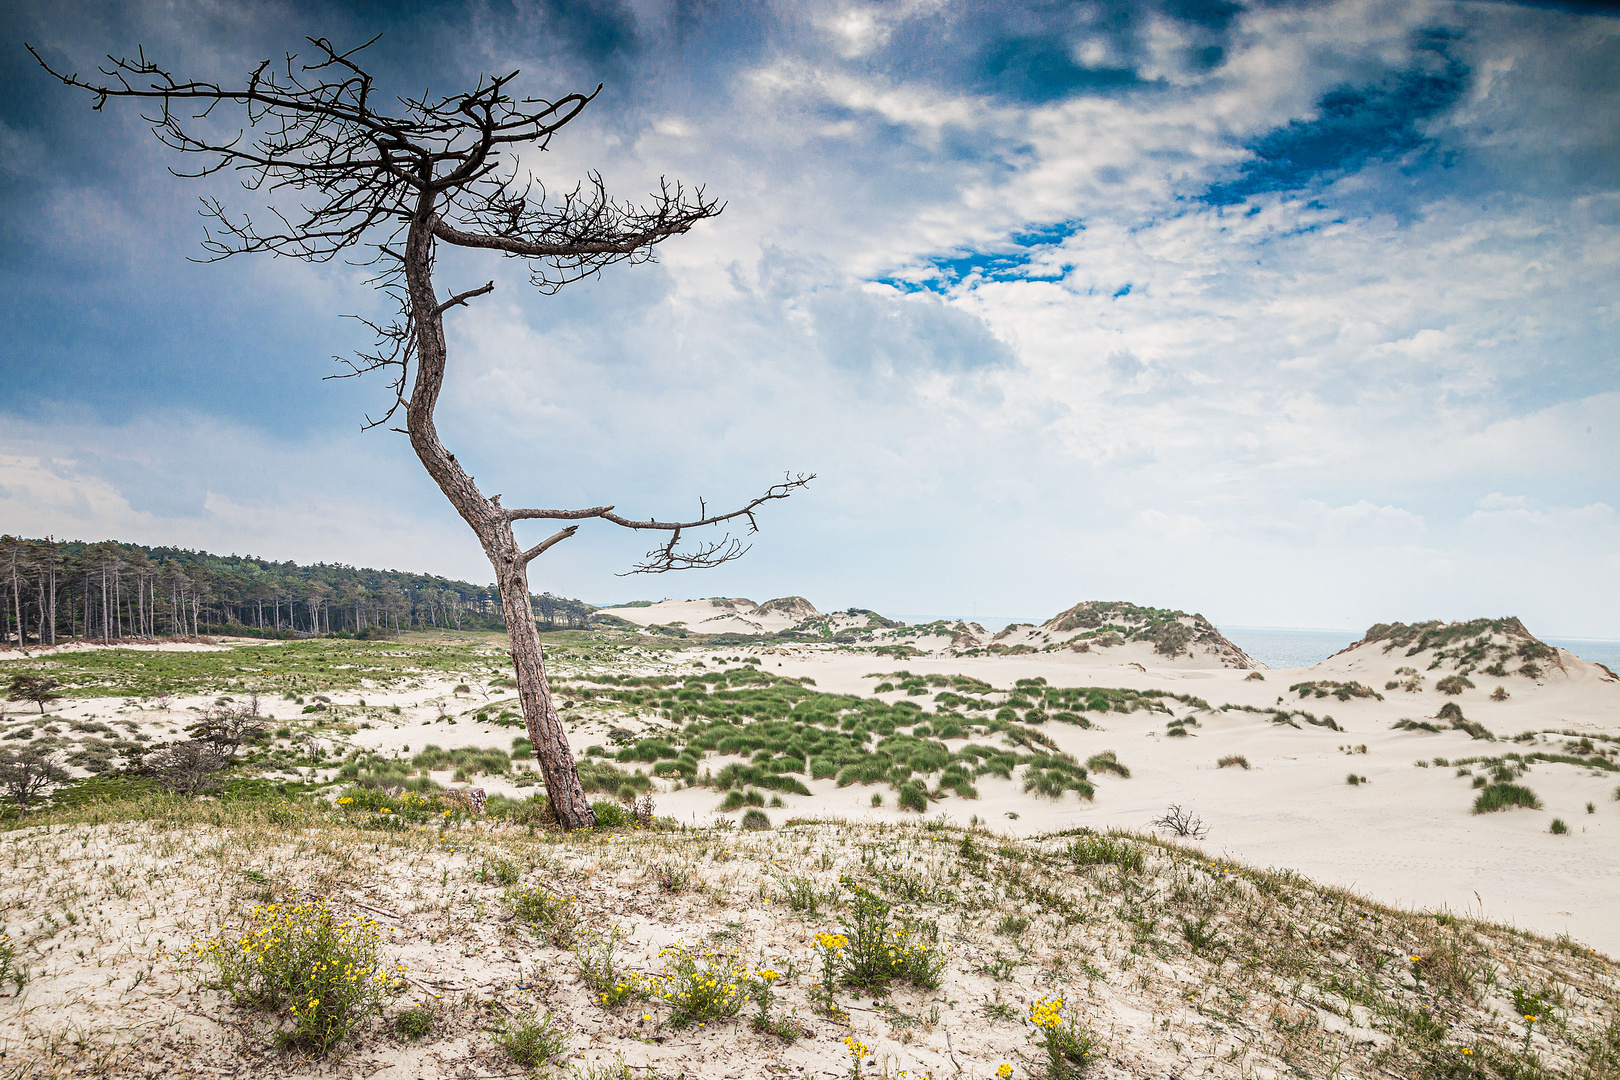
(1290, 314)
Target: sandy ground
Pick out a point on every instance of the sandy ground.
(1405, 837)
(104, 915)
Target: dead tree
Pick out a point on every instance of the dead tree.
(345, 168)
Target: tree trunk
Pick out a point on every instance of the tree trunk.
(494, 532)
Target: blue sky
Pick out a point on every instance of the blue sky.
(1291, 314)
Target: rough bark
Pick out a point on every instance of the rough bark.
(551, 751)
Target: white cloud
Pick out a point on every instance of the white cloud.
(1381, 404)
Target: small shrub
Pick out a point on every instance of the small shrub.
(1070, 1046)
(876, 952)
(700, 989)
(1232, 759)
(549, 916)
(671, 877)
(1355, 781)
(913, 796)
(593, 953)
(1558, 828)
(610, 815)
(1454, 684)
(1106, 850)
(415, 1023)
(1181, 823)
(756, 819)
(531, 1041)
(1012, 925)
(1500, 694)
(1254, 676)
(1505, 796)
(322, 974)
(1107, 762)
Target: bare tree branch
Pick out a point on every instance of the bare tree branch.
(555, 538)
(667, 556)
(462, 298)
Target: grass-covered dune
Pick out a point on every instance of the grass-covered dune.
(590, 954)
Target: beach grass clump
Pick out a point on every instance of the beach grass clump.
(1107, 762)
(533, 1040)
(1230, 760)
(1454, 684)
(1558, 827)
(1106, 850)
(736, 800)
(756, 820)
(1355, 781)
(912, 796)
(1344, 691)
(415, 1022)
(1505, 796)
(320, 973)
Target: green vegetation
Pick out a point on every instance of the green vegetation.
(1505, 796)
(756, 819)
(1232, 759)
(175, 592)
(1454, 684)
(1467, 645)
(788, 731)
(700, 988)
(1344, 691)
(1107, 762)
(548, 915)
(1092, 850)
(873, 951)
(531, 1040)
(1289, 717)
(318, 973)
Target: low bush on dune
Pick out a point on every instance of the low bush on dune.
(318, 973)
(1505, 796)
(1454, 684)
(1107, 762)
(1232, 759)
(1106, 851)
(1344, 691)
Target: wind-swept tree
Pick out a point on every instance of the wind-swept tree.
(344, 168)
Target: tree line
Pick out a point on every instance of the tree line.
(69, 590)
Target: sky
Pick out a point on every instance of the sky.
(1291, 314)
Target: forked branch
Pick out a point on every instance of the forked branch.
(667, 556)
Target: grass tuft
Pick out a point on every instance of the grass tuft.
(1505, 796)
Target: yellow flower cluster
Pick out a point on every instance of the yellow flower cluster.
(856, 1048)
(321, 970)
(835, 942)
(1047, 1013)
(1004, 1070)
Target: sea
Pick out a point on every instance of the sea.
(1294, 647)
